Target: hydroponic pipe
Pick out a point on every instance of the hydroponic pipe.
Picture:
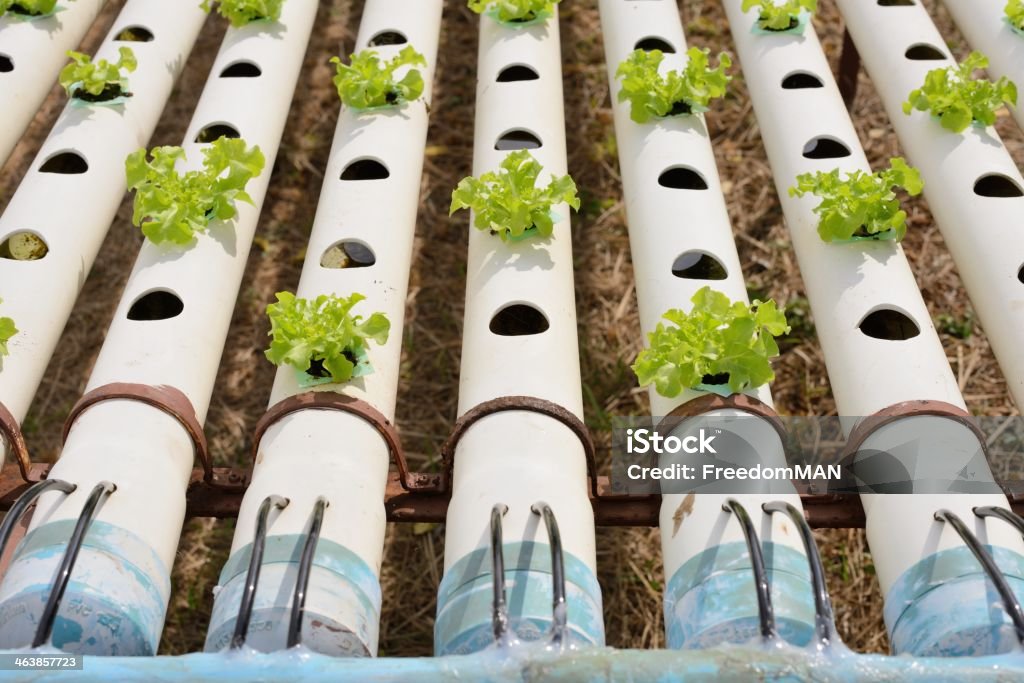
(669, 229)
(519, 338)
(983, 24)
(175, 339)
(32, 52)
(972, 185)
(312, 453)
(74, 187)
(893, 358)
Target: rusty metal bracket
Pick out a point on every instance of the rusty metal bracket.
(11, 431)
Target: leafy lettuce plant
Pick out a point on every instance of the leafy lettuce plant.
(775, 17)
(99, 81)
(509, 203)
(7, 330)
(322, 337)
(241, 12)
(368, 81)
(862, 205)
(31, 8)
(173, 207)
(1014, 12)
(718, 341)
(651, 94)
(514, 10)
(957, 99)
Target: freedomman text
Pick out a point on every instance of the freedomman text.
(716, 472)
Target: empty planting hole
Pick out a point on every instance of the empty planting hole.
(65, 163)
(924, 52)
(517, 72)
(157, 305)
(23, 246)
(889, 324)
(682, 178)
(6, 64)
(825, 148)
(517, 138)
(518, 320)
(798, 80)
(241, 69)
(348, 254)
(696, 265)
(652, 43)
(365, 169)
(996, 185)
(388, 38)
(216, 131)
(896, 3)
(1020, 274)
(135, 34)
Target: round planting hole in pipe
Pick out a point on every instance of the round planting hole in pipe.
(388, 38)
(997, 185)
(697, 265)
(23, 246)
(922, 52)
(347, 254)
(365, 169)
(823, 147)
(156, 305)
(134, 34)
(1020, 274)
(517, 138)
(65, 163)
(216, 131)
(517, 320)
(6, 64)
(654, 43)
(896, 3)
(517, 72)
(889, 324)
(682, 178)
(799, 80)
(241, 69)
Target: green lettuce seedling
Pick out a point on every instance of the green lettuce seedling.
(32, 8)
(775, 17)
(1015, 14)
(99, 81)
(368, 81)
(651, 93)
(322, 337)
(718, 341)
(514, 10)
(862, 205)
(173, 207)
(509, 203)
(957, 99)
(7, 330)
(241, 12)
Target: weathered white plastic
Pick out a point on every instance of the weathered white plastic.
(981, 22)
(846, 282)
(37, 49)
(985, 234)
(139, 448)
(327, 453)
(72, 213)
(665, 223)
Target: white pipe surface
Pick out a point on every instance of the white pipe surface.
(981, 22)
(142, 450)
(34, 51)
(665, 223)
(337, 455)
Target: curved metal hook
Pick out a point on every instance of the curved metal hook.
(824, 618)
(765, 611)
(252, 577)
(24, 502)
(305, 568)
(67, 563)
(499, 604)
(559, 607)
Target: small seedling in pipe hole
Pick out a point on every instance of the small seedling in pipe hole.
(28, 8)
(514, 11)
(100, 81)
(779, 17)
(242, 12)
(957, 99)
(653, 94)
(368, 82)
(1014, 15)
(7, 330)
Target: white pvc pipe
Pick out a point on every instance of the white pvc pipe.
(519, 458)
(665, 223)
(35, 51)
(981, 22)
(315, 453)
(71, 213)
(846, 282)
(123, 575)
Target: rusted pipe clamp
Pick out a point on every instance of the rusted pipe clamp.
(870, 424)
(11, 431)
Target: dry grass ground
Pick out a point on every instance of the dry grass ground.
(629, 559)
